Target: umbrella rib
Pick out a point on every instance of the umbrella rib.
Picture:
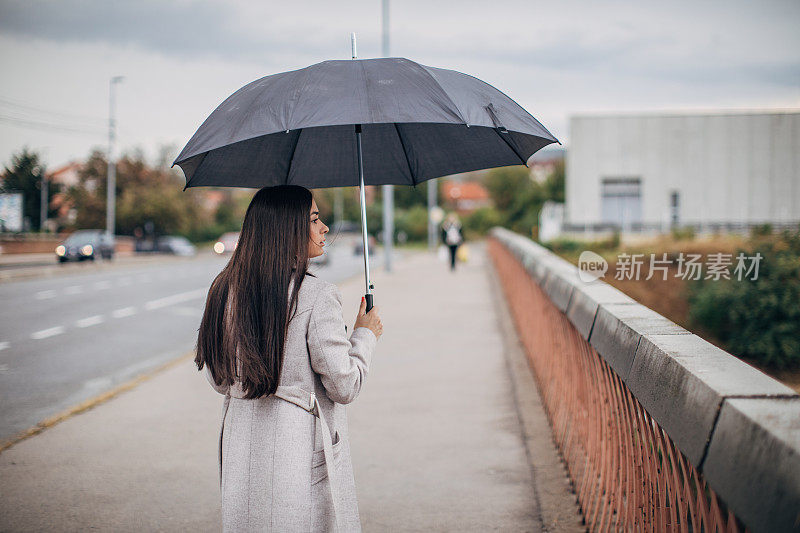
(514, 148)
(291, 158)
(405, 153)
(455, 106)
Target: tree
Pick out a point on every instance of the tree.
(88, 197)
(25, 176)
(406, 197)
(554, 186)
(154, 195)
(507, 184)
(144, 194)
(518, 199)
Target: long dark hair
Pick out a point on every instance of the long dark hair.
(247, 313)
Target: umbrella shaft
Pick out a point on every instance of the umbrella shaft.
(363, 210)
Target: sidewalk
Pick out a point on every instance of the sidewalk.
(448, 434)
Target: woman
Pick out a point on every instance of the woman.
(273, 340)
(452, 237)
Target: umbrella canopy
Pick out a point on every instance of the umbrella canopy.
(418, 123)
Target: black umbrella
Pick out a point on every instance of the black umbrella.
(347, 123)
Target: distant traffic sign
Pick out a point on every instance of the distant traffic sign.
(11, 211)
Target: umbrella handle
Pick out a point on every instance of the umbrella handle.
(368, 297)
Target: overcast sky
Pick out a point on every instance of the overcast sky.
(181, 58)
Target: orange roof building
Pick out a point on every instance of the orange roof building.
(66, 175)
(465, 196)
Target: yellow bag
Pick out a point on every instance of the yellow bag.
(463, 253)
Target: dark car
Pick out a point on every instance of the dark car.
(85, 244)
(176, 245)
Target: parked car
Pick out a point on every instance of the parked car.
(227, 243)
(85, 244)
(176, 245)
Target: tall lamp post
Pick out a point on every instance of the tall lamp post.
(43, 201)
(434, 214)
(388, 190)
(112, 167)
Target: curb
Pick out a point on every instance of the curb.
(556, 502)
(91, 403)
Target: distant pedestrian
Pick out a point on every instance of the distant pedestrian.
(273, 341)
(452, 237)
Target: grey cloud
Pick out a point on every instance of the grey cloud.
(643, 57)
(198, 29)
(186, 29)
(785, 74)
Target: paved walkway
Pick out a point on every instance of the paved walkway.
(448, 434)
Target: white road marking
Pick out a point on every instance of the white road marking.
(50, 332)
(3, 345)
(44, 295)
(175, 299)
(89, 321)
(122, 313)
(100, 285)
(74, 289)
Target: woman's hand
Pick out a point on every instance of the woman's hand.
(369, 320)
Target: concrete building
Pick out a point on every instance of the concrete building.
(712, 171)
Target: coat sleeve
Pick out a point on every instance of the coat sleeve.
(342, 364)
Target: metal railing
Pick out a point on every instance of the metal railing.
(635, 468)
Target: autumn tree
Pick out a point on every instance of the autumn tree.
(144, 194)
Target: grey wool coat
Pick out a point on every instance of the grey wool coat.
(275, 457)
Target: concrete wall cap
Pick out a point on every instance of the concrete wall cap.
(681, 380)
(618, 328)
(722, 372)
(559, 287)
(586, 298)
(753, 461)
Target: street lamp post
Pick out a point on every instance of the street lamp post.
(432, 215)
(43, 201)
(112, 167)
(388, 190)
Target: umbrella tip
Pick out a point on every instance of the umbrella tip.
(353, 45)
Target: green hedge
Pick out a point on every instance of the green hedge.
(758, 320)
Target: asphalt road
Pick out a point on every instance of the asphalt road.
(67, 338)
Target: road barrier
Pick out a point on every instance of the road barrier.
(659, 429)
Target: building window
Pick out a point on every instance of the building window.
(621, 200)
